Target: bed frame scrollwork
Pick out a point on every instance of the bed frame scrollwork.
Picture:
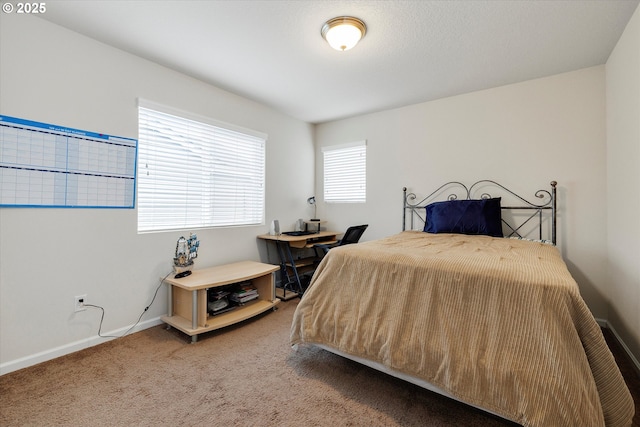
(517, 218)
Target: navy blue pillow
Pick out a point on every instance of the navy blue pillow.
(482, 216)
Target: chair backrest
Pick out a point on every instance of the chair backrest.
(353, 234)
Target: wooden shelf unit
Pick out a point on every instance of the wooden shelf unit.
(187, 305)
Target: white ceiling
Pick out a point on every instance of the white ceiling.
(271, 51)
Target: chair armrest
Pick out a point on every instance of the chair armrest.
(325, 247)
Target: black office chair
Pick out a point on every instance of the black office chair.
(352, 235)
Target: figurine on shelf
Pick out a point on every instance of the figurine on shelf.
(186, 252)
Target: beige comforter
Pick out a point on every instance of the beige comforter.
(497, 323)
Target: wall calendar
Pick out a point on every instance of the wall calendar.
(44, 165)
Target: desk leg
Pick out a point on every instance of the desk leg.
(287, 261)
(170, 301)
(294, 269)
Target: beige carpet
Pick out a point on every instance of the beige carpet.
(244, 375)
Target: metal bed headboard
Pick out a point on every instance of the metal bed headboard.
(515, 227)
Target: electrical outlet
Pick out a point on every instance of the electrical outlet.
(79, 303)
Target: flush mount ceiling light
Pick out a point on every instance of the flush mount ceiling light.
(343, 32)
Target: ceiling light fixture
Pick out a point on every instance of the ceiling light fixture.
(343, 32)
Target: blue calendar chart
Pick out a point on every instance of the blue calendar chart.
(44, 165)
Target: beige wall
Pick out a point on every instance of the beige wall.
(47, 256)
(623, 186)
(522, 135)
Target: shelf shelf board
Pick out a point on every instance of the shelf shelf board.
(241, 313)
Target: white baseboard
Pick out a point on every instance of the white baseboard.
(34, 359)
(605, 324)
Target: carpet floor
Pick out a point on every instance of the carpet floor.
(243, 375)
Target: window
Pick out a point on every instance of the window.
(195, 173)
(345, 173)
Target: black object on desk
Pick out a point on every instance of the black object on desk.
(299, 233)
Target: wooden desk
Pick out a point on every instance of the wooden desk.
(306, 241)
(291, 269)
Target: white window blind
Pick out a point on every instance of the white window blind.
(345, 173)
(193, 174)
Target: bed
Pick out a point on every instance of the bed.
(495, 322)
